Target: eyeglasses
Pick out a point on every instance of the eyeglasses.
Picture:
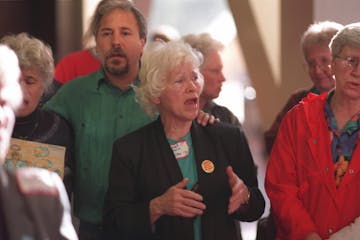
(350, 62)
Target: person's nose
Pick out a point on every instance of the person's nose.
(318, 69)
(222, 77)
(116, 39)
(192, 86)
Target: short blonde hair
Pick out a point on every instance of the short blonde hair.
(158, 59)
(9, 78)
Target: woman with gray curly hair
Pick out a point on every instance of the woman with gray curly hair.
(174, 179)
(32, 123)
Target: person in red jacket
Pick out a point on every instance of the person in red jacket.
(312, 177)
(76, 64)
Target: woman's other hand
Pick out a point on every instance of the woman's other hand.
(177, 201)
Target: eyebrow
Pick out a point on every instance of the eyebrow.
(112, 29)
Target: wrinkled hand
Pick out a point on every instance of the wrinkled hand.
(240, 192)
(312, 236)
(204, 118)
(177, 201)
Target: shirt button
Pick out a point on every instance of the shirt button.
(314, 141)
(326, 169)
(351, 171)
(330, 231)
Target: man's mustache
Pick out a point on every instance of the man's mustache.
(116, 52)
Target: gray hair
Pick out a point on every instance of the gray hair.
(105, 6)
(9, 77)
(160, 58)
(32, 53)
(319, 33)
(203, 43)
(348, 36)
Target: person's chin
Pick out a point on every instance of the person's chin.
(22, 113)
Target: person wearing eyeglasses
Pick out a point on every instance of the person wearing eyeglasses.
(312, 178)
(317, 57)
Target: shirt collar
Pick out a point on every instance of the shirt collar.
(101, 79)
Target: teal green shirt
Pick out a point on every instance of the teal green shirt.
(187, 164)
(99, 113)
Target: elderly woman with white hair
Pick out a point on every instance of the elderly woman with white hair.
(32, 123)
(174, 179)
(33, 201)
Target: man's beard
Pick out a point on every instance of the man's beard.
(116, 70)
(112, 66)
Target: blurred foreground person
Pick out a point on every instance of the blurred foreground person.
(174, 179)
(33, 201)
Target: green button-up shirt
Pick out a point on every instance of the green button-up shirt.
(99, 113)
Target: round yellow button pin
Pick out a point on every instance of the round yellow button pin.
(207, 166)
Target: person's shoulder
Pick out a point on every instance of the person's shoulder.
(220, 108)
(308, 109)
(300, 92)
(223, 129)
(312, 100)
(56, 119)
(80, 85)
(297, 96)
(139, 134)
(37, 181)
(84, 80)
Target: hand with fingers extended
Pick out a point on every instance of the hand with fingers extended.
(239, 192)
(177, 201)
(204, 118)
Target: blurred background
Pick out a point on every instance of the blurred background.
(262, 58)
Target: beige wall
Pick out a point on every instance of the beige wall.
(269, 34)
